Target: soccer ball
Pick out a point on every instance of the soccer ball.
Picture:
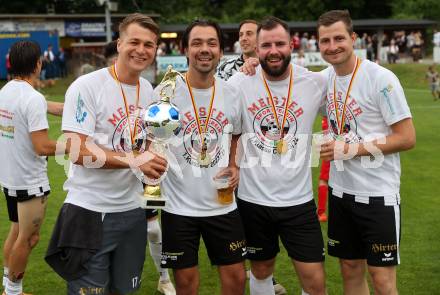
(162, 121)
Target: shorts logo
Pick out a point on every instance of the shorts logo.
(91, 290)
(168, 256)
(332, 242)
(378, 248)
(253, 250)
(234, 246)
(387, 254)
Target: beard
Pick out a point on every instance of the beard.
(276, 72)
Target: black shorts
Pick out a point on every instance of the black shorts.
(297, 226)
(150, 213)
(364, 231)
(21, 196)
(223, 236)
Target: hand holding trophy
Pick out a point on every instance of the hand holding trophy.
(162, 122)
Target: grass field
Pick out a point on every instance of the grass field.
(419, 272)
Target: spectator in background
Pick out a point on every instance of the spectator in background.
(410, 41)
(436, 38)
(312, 46)
(305, 42)
(370, 49)
(301, 60)
(111, 52)
(296, 41)
(61, 57)
(364, 41)
(174, 48)
(162, 49)
(434, 80)
(417, 48)
(237, 48)
(49, 58)
(8, 66)
(358, 42)
(393, 52)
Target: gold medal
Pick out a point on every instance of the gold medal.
(340, 119)
(133, 132)
(204, 160)
(281, 146)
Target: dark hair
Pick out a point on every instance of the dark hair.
(24, 57)
(111, 49)
(202, 23)
(247, 21)
(270, 23)
(141, 19)
(333, 16)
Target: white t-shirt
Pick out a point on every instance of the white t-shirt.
(266, 177)
(188, 187)
(22, 111)
(95, 107)
(376, 102)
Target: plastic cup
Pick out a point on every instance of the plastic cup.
(225, 193)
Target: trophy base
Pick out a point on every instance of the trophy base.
(152, 202)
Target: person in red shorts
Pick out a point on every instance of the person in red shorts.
(323, 182)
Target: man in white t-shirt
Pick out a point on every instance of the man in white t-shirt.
(101, 121)
(200, 153)
(164, 285)
(275, 196)
(371, 121)
(24, 145)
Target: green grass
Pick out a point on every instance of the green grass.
(420, 245)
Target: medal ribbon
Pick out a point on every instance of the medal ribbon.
(193, 101)
(340, 120)
(286, 107)
(134, 132)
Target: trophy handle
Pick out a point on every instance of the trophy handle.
(169, 84)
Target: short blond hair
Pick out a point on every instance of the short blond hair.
(140, 19)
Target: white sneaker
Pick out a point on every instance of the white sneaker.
(166, 288)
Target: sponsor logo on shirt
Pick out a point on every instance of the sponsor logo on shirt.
(385, 92)
(80, 114)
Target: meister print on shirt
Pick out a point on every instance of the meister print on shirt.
(192, 142)
(265, 129)
(352, 112)
(120, 139)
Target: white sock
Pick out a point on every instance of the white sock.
(304, 292)
(155, 245)
(14, 288)
(5, 275)
(261, 287)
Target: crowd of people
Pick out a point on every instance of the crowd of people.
(264, 107)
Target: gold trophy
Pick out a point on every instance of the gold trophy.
(162, 122)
